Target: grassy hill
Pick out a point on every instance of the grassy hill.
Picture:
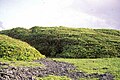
(13, 49)
(70, 42)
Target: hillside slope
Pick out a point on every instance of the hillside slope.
(70, 42)
(13, 49)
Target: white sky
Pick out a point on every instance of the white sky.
(69, 13)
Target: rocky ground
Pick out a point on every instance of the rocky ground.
(51, 67)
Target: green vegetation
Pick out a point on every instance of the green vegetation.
(52, 77)
(70, 42)
(20, 63)
(13, 49)
(111, 65)
(25, 64)
(89, 79)
(102, 44)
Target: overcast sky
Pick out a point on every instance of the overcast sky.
(69, 13)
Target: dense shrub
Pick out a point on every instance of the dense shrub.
(13, 49)
(70, 42)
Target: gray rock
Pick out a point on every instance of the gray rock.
(52, 67)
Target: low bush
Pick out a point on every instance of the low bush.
(13, 49)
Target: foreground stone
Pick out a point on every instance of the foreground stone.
(51, 67)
